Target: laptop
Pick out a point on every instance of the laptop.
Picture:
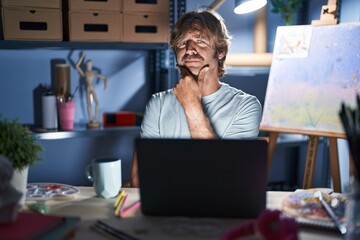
(202, 177)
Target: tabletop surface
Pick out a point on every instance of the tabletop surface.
(92, 208)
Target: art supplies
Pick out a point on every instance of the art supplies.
(120, 203)
(305, 206)
(350, 118)
(108, 231)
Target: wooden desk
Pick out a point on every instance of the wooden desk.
(91, 208)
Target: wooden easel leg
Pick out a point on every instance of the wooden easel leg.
(310, 161)
(334, 164)
(271, 148)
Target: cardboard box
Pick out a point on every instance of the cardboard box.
(151, 28)
(148, 6)
(108, 5)
(32, 24)
(95, 26)
(32, 3)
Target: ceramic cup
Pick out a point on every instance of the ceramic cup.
(66, 115)
(105, 173)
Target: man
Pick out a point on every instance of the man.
(200, 106)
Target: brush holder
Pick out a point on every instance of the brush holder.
(352, 211)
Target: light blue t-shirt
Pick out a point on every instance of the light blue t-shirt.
(232, 113)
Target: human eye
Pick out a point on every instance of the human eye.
(201, 42)
(182, 44)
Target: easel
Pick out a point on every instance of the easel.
(328, 15)
(311, 157)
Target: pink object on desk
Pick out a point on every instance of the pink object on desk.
(66, 115)
(125, 210)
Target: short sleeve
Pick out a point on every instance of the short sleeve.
(247, 119)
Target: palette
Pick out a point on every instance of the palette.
(45, 191)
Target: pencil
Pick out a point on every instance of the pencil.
(102, 232)
(121, 194)
(120, 205)
(113, 231)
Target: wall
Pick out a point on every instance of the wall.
(23, 71)
(241, 28)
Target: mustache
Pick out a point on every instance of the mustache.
(185, 71)
(191, 57)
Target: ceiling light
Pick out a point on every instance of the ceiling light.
(246, 6)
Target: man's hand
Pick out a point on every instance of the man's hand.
(190, 86)
(188, 92)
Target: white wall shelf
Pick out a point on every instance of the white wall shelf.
(78, 132)
(11, 44)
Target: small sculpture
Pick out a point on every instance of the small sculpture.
(90, 75)
(9, 196)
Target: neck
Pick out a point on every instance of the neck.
(210, 87)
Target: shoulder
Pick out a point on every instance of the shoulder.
(163, 95)
(159, 98)
(238, 94)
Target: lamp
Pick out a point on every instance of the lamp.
(246, 6)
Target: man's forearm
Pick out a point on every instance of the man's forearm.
(198, 122)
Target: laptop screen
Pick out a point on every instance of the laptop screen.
(202, 177)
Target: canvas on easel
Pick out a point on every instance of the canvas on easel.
(314, 69)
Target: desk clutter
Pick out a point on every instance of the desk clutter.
(121, 202)
(305, 206)
(84, 20)
(46, 191)
(87, 216)
(39, 226)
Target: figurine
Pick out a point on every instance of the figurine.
(90, 75)
(9, 196)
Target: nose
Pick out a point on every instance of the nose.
(190, 47)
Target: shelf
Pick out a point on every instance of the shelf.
(84, 132)
(247, 71)
(9, 44)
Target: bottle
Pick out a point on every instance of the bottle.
(49, 111)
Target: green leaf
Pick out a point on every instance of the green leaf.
(18, 144)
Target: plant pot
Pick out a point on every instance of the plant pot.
(19, 182)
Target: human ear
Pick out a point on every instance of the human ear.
(221, 55)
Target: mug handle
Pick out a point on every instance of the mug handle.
(88, 172)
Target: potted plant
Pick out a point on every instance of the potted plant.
(287, 9)
(21, 148)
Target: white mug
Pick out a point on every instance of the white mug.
(105, 173)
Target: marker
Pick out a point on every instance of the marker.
(130, 208)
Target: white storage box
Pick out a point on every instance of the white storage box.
(95, 26)
(32, 24)
(152, 27)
